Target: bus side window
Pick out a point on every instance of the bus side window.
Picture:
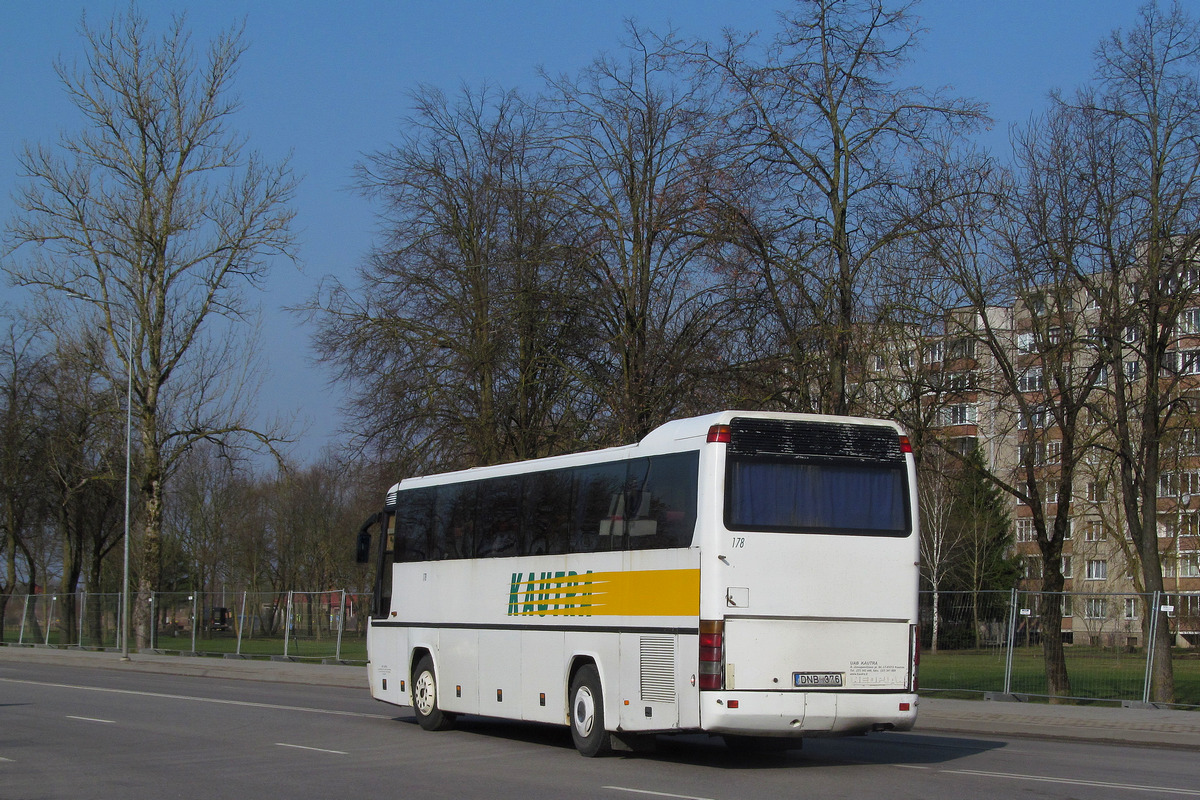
(454, 521)
(498, 518)
(666, 517)
(599, 508)
(547, 513)
(410, 527)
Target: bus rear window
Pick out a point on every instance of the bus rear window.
(788, 496)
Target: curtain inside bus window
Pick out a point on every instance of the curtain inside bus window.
(817, 497)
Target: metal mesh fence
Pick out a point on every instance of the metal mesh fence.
(972, 642)
(318, 626)
(994, 642)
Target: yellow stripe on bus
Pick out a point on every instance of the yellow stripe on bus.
(645, 593)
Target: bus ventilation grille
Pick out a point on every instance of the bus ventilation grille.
(761, 437)
(658, 669)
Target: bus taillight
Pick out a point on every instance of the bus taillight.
(905, 445)
(712, 654)
(720, 434)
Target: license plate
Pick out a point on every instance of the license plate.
(817, 680)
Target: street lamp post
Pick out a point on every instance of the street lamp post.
(128, 468)
(128, 471)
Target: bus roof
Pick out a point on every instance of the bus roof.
(666, 438)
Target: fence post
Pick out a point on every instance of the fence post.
(1156, 602)
(50, 618)
(24, 616)
(241, 623)
(1012, 634)
(82, 614)
(337, 653)
(287, 624)
(194, 596)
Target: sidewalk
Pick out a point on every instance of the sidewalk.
(1109, 724)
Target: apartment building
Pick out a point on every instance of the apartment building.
(1001, 380)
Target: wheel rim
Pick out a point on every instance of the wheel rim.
(585, 711)
(424, 693)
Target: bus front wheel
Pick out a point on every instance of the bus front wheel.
(587, 713)
(425, 698)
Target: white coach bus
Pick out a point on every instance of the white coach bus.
(746, 574)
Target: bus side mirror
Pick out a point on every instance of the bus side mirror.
(362, 549)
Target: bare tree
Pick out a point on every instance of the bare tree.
(461, 337)
(1141, 126)
(158, 217)
(633, 135)
(837, 157)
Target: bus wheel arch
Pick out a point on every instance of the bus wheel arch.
(585, 697)
(425, 695)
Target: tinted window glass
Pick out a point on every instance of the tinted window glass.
(599, 508)
(790, 496)
(665, 503)
(498, 518)
(547, 512)
(413, 521)
(454, 521)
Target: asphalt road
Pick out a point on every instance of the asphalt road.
(68, 732)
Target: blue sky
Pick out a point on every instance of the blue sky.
(327, 82)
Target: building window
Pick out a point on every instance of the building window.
(1097, 569)
(934, 353)
(1025, 342)
(962, 348)
(1133, 370)
(1131, 608)
(1025, 530)
(1189, 564)
(1182, 362)
(1035, 419)
(1094, 531)
(880, 363)
(1097, 492)
(1097, 608)
(1033, 567)
(1066, 566)
(1189, 321)
(1030, 380)
(959, 414)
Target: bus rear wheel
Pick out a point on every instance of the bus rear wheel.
(587, 713)
(425, 698)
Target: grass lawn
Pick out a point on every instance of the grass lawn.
(1094, 673)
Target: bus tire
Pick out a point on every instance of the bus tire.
(425, 697)
(587, 713)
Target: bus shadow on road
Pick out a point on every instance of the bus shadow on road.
(700, 749)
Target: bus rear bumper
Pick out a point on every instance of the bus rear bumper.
(805, 713)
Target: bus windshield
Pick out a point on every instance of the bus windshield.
(788, 496)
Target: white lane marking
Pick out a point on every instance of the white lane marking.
(314, 749)
(904, 766)
(654, 794)
(217, 700)
(92, 719)
(1075, 782)
(6, 760)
